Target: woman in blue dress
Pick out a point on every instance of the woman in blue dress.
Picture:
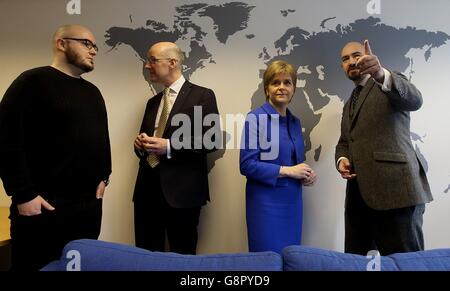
(272, 158)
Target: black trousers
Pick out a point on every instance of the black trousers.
(38, 240)
(154, 218)
(388, 231)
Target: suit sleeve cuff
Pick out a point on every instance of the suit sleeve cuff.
(23, 197)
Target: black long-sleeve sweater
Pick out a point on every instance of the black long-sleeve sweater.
(53, 135)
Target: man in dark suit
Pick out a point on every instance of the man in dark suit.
(386, 184)
(172, 183)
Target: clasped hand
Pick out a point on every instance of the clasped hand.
(151, 144)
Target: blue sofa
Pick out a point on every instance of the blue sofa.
(93, 255)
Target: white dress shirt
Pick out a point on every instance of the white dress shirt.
(174, 90)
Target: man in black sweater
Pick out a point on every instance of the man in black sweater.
(55, 156)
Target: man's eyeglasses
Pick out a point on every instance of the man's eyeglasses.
(153, 60)
(87, 43)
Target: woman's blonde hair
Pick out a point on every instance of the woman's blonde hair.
(279, 67)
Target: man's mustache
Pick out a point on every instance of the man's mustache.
(351, 67)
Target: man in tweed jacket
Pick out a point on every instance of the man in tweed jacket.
(387, 187)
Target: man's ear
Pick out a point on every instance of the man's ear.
(60, 45)
(173, 63)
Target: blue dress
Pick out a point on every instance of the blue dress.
(273, 205)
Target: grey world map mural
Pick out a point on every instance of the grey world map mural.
(228, 19)
(315, 53)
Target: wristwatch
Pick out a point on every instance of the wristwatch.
(106, 182)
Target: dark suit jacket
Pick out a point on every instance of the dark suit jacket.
(377, 142)
(184, 177)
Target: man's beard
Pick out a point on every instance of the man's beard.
(74, 59)
(353, 76)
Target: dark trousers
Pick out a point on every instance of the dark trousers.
(154, 218)
(38, 240)
(388, 231)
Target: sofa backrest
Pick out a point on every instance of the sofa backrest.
(430, 260)
(94, 255)
(302, 258)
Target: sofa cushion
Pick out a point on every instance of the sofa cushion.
(301, 258)
(430, 260)
(105, 256)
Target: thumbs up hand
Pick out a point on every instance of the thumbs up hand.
(369, 64)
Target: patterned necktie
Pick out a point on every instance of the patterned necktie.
(354, 98)
(153, 159)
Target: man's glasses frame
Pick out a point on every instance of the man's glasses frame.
(153, 60)
(87, 43)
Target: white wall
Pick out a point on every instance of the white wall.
(26, 28)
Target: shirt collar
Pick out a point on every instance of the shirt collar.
(176, 86)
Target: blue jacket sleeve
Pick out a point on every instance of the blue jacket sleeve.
(250, 162)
